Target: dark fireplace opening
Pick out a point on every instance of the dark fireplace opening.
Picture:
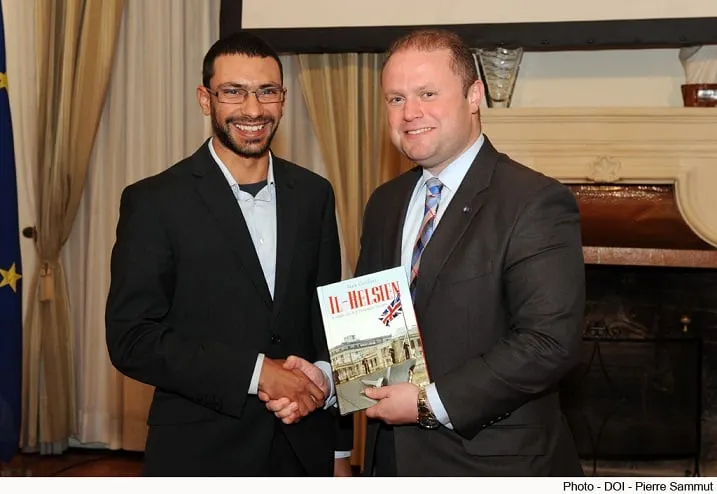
(632, 399)
(645, 388)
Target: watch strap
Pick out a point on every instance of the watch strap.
(426, 418)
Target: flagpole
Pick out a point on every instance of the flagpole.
(405, 324)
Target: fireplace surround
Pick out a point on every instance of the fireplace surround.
(673, 147)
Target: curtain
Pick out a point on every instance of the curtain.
(151, 120)
(296, 140)
(75, 46)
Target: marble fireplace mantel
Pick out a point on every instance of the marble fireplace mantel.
(620, 146)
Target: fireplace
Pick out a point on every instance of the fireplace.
(636, 400)
(642, 392)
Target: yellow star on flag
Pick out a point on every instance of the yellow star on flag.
(10, 277)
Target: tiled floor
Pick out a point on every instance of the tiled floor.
(76, 463)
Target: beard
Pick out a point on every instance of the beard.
(251, 148)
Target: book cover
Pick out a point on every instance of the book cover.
(372, 335)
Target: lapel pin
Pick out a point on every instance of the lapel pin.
(466, 209)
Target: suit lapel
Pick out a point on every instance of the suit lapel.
(394, 226)
(287, 200)
(212, 187)
(464, 206)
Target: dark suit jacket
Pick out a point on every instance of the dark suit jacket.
(499, 303)
(189, 310)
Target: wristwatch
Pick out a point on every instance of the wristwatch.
(426, 418)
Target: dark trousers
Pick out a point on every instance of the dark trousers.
(283, 461)
(385, 454)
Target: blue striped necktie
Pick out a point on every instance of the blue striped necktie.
(433, 197)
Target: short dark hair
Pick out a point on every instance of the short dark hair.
(239, 43)
(462, 62)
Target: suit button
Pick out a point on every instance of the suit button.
(275, 339)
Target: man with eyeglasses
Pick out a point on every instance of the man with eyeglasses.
(213, 292)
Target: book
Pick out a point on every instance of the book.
(372, 335)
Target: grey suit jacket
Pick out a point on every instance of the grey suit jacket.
(499, 302)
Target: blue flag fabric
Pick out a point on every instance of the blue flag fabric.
(10, 275)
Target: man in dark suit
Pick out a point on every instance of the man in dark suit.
(493, 253)
(214, 276)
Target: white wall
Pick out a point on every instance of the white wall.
(600, 78)
(324, 13)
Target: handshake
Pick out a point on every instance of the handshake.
(292, 388)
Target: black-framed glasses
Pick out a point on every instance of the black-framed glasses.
(236, 95)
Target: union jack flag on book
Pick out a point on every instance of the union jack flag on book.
(394, 309)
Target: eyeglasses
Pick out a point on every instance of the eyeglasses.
(236, 95)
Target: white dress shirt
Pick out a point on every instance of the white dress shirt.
(451, 177)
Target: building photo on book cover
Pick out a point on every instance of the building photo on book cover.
(372, 335)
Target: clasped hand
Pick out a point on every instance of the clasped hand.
(292, 388)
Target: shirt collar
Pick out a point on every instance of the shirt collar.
(227, 174)
(452, 175)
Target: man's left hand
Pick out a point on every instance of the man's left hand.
(397, 403)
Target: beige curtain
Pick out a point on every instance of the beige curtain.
(296, 140)
(340, 92)
(150, 120)
(75, 47)
(343, 96)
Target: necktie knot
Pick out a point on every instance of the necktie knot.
(434, 186)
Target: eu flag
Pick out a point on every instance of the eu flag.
(10, 287)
